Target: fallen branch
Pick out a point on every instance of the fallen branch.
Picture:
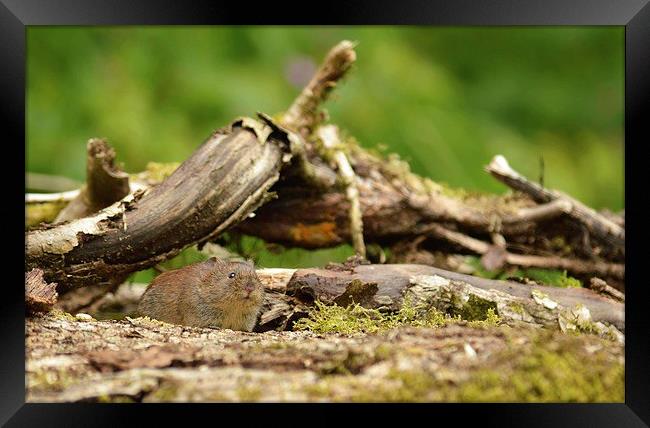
(574, 266)
(329, 135)
(378, 286)
(597, 224)
(602, 287)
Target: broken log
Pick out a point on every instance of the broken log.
(223, 182)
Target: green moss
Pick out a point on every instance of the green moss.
(338, 319)
(46, 212)
(454, 192)
(157, 172)
(491, 320)
(384, 351)
(165, 392)
(516, 308)
(49, 380)
(475, 309)
(355, 318)
(59, 314)
(544, 374)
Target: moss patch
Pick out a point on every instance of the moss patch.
(155, 172)
(355, 318)
(475, 309)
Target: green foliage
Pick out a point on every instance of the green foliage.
(557, 278)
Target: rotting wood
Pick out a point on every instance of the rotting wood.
(393, 281)
(615, 270)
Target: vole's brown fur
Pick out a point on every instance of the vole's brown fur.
(213, 293)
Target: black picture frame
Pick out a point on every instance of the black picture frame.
(15, 15)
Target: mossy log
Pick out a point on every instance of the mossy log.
(223, 182)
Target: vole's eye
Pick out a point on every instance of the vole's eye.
(231, 275)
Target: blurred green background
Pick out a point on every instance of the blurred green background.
(445, 98)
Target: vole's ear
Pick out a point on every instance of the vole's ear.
(250, 263)
(216, 262)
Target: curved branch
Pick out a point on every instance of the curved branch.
(220, 184)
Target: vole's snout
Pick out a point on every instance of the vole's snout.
(249, 288)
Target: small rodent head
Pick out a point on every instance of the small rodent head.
(235, 282)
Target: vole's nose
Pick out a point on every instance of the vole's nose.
(249, 288)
